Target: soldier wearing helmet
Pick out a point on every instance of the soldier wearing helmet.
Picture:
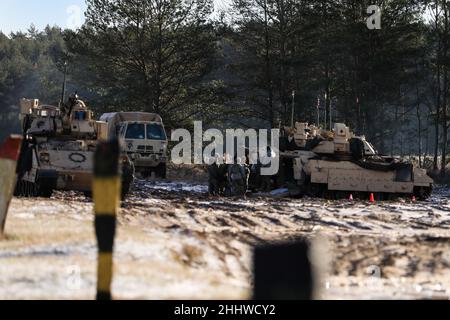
(66, 108)
(73, 104)
(73, 99)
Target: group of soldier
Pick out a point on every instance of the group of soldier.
(236, 178)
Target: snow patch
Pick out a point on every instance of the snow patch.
(177, 186)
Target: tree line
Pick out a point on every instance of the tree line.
(250, 66)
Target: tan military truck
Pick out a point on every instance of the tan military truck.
(335, 164)
(58, 149)
(143, 138)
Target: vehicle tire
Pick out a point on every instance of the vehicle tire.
(45, 187)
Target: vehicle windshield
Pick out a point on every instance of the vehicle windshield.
(155, 131)
(80, 115)
(135, 131)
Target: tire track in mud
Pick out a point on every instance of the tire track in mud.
(393, 235)
(407, 241)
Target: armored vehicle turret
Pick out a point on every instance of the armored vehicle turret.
(58, 149)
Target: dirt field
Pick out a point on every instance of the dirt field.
(175, 242)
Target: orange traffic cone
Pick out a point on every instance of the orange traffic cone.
(351, 197)
(372, 198)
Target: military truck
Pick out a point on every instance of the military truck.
(335, 164)
(58, 149)
(144, 139)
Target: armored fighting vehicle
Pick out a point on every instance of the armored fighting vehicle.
(144, 140)
(58, 149)
(335, 164)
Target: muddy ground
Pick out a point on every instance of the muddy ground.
(175, 242)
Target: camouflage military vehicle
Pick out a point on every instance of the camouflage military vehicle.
(144, 140)
(339, 163)
(58, 149)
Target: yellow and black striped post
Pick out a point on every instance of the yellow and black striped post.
(106, 194)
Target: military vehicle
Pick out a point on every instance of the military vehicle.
(58, 149)
(144, 139)
(335, 164)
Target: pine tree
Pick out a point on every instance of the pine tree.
(149, 55)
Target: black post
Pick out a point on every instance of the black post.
(283, 272)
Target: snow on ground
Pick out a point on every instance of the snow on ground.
(176, 242)
(176, 186)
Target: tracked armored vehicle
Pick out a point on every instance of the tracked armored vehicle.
(58, 149)
(338, 163)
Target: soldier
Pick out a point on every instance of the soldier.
(258, 182)
(238, 178)
(66, 108)
(73, 99)
(287, 139)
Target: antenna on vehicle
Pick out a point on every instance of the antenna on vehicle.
(318, 111)
(63, 93)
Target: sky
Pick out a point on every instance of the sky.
(18, 15)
